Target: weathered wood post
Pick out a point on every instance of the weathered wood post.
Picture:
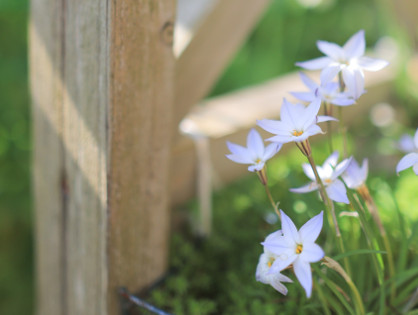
(102, 92)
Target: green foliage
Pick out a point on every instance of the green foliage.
(218, 274)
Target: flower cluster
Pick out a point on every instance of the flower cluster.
(342, 83)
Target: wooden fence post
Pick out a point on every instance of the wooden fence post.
(102, 92)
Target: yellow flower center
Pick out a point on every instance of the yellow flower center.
(257, 161)
(270, 262)
(297, 133)
(299, 248)
(327, 181)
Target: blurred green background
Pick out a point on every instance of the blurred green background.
(286, 34)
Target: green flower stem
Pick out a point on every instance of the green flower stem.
(332, 264)
(262, 175)
(329, 205)
(364, 192)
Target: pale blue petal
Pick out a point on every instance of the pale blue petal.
(271, 150)
(311, 131)
(256, 167)
(364, 170)
(278, 286)
(286, 114)
(255, 144)
(329, 73)
(274, 237)
(355, 46)
(315, 64)
(407, 161)
(337, 192)
(289, 228)
(372, 64)
(353, 175)
(309, 115)
(309, 232)
(415, 168)
(304, 96)
(303, 273)
(282, 139)
(307, 169)
(273, 126)
(332, 159)
(239, 154)
(341, 167)
(311, 253)
(330, 49)
(283, 261)
(342, 101)
(354, 80)
(283, 278)
(416, 139)
(320, 119)
(305, 189)
(311, 84)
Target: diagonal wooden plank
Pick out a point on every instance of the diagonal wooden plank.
(211, 48)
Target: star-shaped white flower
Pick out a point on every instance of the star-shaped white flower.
(355, 176)
(349, 59)
(328, 92)
(329, 173)
(263, 275)
(297, 248)
(255, 153)
(297, 122)
(411, 159)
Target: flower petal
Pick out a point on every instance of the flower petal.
(271, 150)
(311, 253)
(320, 119)
(407, 143)
(342, 101)
(303, 273)
(354, 80)
(309, 232)
(407, 161)
(282, 139)
(255, 144)
(278, 286)
(416, 139)
(315, 64)
(309, 114)
(283, 261)
(372, 64)
(332, 159)
(239, 154)
(341, 167)
(289, 228)
(330, 49)
(305, 189)
(311, 131)
(256, 167)
(415, 168)
(355, 46)
(274, 126)
(307, 169)
(337, 192)
(329, 73)
(304, 96)
(311, 84)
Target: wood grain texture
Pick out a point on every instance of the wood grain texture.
(101, 83)
(212, 47)
(141, 87)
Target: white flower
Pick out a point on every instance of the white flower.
(263, 275)
(297, 248)
(406, 143)
(355, 176)
(255, 153)
(328, 92)
(329, 173)
(349, 59)
(297, 122)
(411, 159)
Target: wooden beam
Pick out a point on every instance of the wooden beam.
(101, 82)
(210, 50)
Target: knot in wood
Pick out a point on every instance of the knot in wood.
(167, 33)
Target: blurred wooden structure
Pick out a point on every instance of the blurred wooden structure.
(108, 95)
